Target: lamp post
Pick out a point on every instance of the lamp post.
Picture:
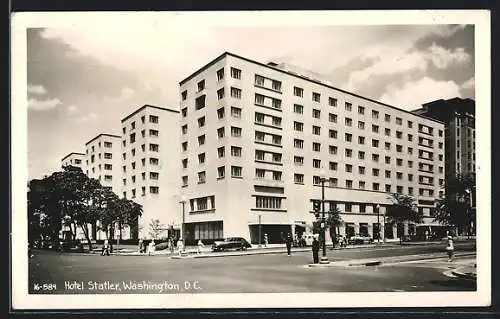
(384, 228)
(183, 202)
(324, 259)
(260, 232)
(378, 223)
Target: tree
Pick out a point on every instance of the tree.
(155, 228)
(333, 220)
(455, 209)
(403, 209)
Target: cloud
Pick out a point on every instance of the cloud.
(87, 118)
(126, 93)
(414, 94)
(72, 108)
(43, 105)
(391, 61)
(470, 84)
(443, 58)
(36, 89)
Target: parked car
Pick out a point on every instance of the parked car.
(238, 243)
(358, 240)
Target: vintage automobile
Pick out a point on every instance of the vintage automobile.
(358, 240)
(238, 243)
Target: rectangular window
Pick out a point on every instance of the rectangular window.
(235, 112)
(235, 151)
(375, 114)
(361, 110)
(298, 126)
(348, 183)
(388, 160)
(201, 122)
(153, 175)
(153, 161)
(333, 150)
(333, 166)
(316, 147)
(348, 168)
(316, 97)
(298, 109)
(332, 101)
(201, 158)
(298, 160)
(184, 112)
(154, 147)
(375, 186)
(348, 121)
(316, 130)
(235, 93)
(220, 113)
(332, 117)
(276, 85)
(348, 107)
(221, 132)
(298, 178)
(221, 152)
(316, 113)
(221, 172)
(183, 95)
(153, 119)
(236, 171)
(236, 73)
(332, 133)
(375, 143)
(348, 137)
(220, 74)
(201, 177)
(361, 170)
(235, 131)
(259, 80)
(375, 128)
(298, 91)
(361, 125)
(387, 118)
(201, 85)
(387, 132)
(348, 152)
(316, 163)
(410, 124)
(220, 94)
(399, 121)
(361, 155)
(361, 140)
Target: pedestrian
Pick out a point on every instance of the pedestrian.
(266, 240)
(450, 248)
(289, 240)
(171, 245)
(152, 248)
(315, 249)
(140, 246)
(200, 246)
(180, 246)
(105, 248)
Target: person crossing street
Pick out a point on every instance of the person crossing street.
(289, 241)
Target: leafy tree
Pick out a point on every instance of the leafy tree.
(333, 220)
(403, 209)
(455, 209)
(155, 228)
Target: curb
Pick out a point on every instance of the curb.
(387, 260)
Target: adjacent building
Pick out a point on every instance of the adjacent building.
(74, 159)
(458, 116)
(149, 168)
(257, 140)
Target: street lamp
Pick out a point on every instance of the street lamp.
(260, 232)
(378, 223)
(183, 238)
(324, 259)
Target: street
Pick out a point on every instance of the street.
(72, 273)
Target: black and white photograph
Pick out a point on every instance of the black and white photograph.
(251, 159)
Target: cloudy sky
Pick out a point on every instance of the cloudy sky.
(82, 81)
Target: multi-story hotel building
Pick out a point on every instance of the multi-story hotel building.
(102, 160)
(149, 167)
(458, 116)
(74, 159)
(256, 138)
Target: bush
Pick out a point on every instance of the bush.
(161, 246)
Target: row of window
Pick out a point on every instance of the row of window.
(106, 145)
(152, 119)
(152, 190)
(236, 172)
(152, 161)
(152, 176)
(107, 178)
(143, 133)
(200, 86)
(152, 148)
(105, 156)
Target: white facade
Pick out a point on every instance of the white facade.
(255, 139)
(149, 166)
(74, 159)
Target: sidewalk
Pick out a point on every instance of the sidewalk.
(466, 272)
(192, 251)
(389, 260)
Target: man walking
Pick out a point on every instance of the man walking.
(315, 249)
(289, 241)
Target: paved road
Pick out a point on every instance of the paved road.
(257, 273)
